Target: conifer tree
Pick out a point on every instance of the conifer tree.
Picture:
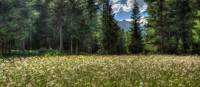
(184, 23)
(157, 21)
(59, 21)
(41, 36)
(110, 30)
(136, 45)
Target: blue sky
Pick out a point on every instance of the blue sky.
(122, 9)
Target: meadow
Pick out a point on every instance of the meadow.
(101, 71)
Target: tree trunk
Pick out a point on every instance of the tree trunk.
(30, 41)
(160, 26)
(176, 44)
(23, 45)
(6, 48)
(1, 49)
(61, 39)
(49, 44)
(77, 47)
(9, 46)
(71, 46)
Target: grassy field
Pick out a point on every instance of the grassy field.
(101, 71)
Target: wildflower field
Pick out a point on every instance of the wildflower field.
(101, 71)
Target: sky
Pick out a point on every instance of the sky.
(122, 9)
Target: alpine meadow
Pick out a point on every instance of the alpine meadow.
(99, 43)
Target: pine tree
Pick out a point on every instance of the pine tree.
(156, 21)
(161, 20)
(121, 47)
(184, 23)
(91, 7)
(59, 21)
(196, 30)
(196, 35)
(160, 26)
(41, 36)
(110, 30)
(136, 45)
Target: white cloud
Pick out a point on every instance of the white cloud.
(129, 20)
(116, 7)
(127, 7)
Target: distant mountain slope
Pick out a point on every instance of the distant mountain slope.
(124, 25)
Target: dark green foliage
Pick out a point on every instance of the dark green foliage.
(196, 35)
(122, 49)
(173, 22)
(136, 45)
(110, 30)
(42, 33)
(184, 23)
(156, 16)
(15, 23)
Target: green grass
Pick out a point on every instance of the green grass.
(101, 71)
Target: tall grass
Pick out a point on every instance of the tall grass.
(101, 71)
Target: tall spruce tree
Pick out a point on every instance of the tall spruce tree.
(87, 25)
(41, 36)
(110, 30)
(184, 23)
(196, 30)
(196, 35)
(161, 19)
(160, 26)
(136, 45)
(156, 22)
(59, 21)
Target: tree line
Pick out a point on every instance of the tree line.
(174, 24)
(88, 26)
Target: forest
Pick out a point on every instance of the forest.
(88, 26)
